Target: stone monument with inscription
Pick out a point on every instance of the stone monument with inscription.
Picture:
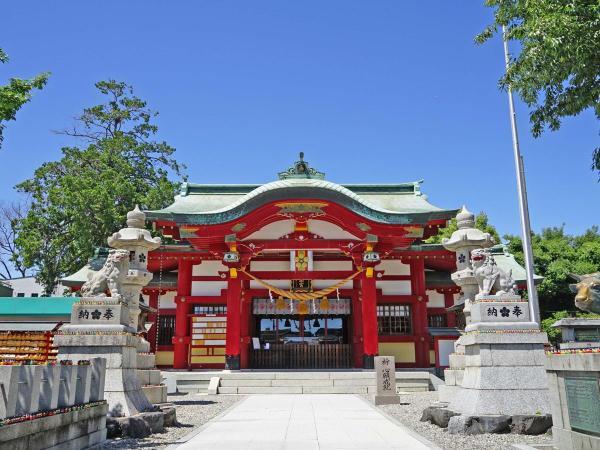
(574, 373)
(385, 371)
(106, 325)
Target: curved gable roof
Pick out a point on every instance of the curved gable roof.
(393, 204)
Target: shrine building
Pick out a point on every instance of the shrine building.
(301, 273)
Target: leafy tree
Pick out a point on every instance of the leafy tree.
(481, 223)
(557, 254)
(554, 334)
(15, 94)
(10, 259)
(84, 197)
(557, 71)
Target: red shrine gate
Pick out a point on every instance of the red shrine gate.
(302, 273)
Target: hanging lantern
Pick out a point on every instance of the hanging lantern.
(280, 303)
(316, 323)
(324, 304)
(287, 323)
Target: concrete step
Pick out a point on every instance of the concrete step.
(297, 390)
(296, 382)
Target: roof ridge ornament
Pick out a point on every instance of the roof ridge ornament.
(301, 169)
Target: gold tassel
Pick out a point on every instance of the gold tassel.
(280, 303)
(302, 308)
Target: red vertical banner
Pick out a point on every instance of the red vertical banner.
(181, 340)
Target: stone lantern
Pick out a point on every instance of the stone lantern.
(138, 241)
(464, 240)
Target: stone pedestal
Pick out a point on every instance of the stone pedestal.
(100, 328)
(504, 374)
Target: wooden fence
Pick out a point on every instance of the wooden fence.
(297, 356)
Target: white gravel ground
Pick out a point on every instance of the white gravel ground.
(193, 410)
(410, 414)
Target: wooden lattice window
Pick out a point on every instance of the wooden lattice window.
(437, 321)
(394, 319)
(166, 329)
(210, 309)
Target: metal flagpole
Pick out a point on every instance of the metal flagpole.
(534, 307)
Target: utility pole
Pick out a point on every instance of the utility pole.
(534, 306)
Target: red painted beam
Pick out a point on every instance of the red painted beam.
(306, 244)
(306, 275)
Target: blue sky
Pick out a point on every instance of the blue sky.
(372, 92)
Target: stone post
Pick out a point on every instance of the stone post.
(385, 372)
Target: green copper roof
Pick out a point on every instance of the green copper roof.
(36, 306)
(213, 204)
(205, 204)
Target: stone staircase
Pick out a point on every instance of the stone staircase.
(294, 382)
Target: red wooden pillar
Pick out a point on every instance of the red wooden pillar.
(369, 320)
(232, 341)
(181, 340)
(448, 302)
(153, 303)
(245, 316)
(421, 329)
(357, 335)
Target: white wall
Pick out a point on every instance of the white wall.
(211, 288)
(268, 266)
(332, 265)
(31, 288)
(436, 300)
(273, 230)
(393, 267)
(208, 268)
(328, 230)
(166, 300)
(400, 287)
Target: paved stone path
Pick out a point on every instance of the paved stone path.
(303, 422)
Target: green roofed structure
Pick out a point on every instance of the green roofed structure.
(34, 313)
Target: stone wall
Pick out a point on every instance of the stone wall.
(76, 429)
(48, 406)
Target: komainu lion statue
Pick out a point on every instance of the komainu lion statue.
(110, 277)
(587, 290)
(491, 279)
